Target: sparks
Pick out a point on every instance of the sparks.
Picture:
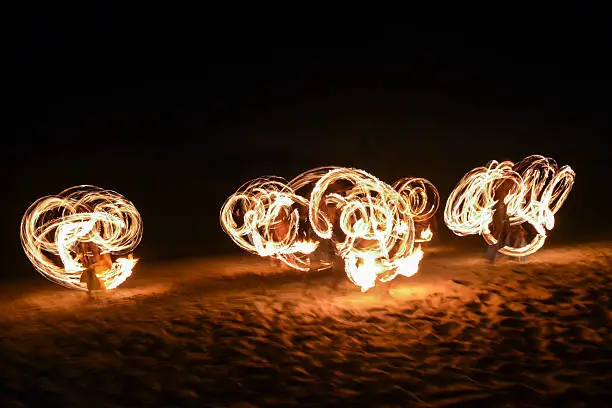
(371, 224)
(538, 190)
(54, 228)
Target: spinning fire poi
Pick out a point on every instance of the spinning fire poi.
(532, 190)
(271, 218)
(78, 232)
(374, 227)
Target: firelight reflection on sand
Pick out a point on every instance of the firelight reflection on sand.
(538, 191)
(53, 227)
(374, 227)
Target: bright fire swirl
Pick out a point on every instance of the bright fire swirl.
(270, 214)
(538, 190)
(373, 226)
(53, 228)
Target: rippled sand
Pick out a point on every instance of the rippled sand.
(238, 332)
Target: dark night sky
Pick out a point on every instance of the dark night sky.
(176, 113)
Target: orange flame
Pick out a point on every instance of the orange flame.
(54, 226)
(426, 235)
(269, 212)
(370, 223)
(538, 191)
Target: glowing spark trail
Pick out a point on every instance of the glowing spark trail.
(372, 225)
(55, 229)
(537, 190)
(270, 213)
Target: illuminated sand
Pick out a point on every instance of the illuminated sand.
(236, 330)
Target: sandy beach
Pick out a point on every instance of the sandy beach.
(239, 332)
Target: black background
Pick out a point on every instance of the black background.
(175, 109)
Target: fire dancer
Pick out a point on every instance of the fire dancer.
(279, 230)
(95, 263)
(328, 249)
(501, 221)
(519, 239)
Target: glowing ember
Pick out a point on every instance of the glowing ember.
(426, 235)
(537, 190)
(371, 224)
(60, 233)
